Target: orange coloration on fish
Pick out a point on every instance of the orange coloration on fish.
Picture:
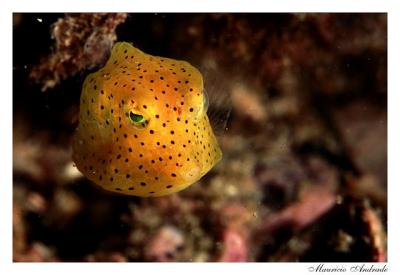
(143, 126)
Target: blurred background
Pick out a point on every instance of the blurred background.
(299, 105)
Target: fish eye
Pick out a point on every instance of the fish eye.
(137, 120)
(136, 117)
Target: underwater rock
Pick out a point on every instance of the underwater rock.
(163, 246)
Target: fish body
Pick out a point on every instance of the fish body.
(143, 126)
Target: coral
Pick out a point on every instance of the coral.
(82, 41)
(163, 245)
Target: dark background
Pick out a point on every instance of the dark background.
(299, 102)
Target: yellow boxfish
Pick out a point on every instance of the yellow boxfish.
(143, 126)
